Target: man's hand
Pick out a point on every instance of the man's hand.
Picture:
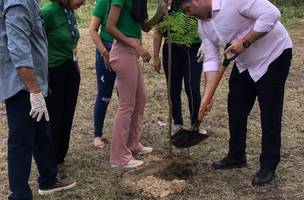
(236, 47)
(157, 64)
(38, 107)
(200, 53)
(205, 107)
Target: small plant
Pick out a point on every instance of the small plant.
(183, 28)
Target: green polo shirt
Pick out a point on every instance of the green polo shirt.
(126, 25)
(101, 11)
(60, 41)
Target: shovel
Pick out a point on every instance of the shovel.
(185, 138)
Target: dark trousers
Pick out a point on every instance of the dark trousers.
(184, 67)
(64, 83)
(105, 84)
(270, 93)
(27, 138)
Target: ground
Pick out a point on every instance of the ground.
(97, 180)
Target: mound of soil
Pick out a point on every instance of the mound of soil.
(159, 177)
(156, 187)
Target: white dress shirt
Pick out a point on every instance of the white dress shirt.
(234, 19)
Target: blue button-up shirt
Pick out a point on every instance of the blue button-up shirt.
(22, 44)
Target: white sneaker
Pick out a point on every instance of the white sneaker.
(145, 150)
(203, 131)
(131, 164)
(176, 128)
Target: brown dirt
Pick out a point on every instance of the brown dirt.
(97, 180)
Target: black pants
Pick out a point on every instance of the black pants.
(184, 66)
(64, 83)
(27, 138)
(270, 93)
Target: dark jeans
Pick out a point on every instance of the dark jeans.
(270, 93)
(184, 66)
(27, 138)
(105, 84)
(64, 83)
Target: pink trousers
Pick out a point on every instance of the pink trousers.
(132, 100)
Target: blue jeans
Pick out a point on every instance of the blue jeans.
(105, 84)
(27, 138)
(184, 67)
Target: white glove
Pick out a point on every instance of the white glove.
(200, 53)
(38, 107)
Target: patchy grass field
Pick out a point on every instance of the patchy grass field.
(96, 179)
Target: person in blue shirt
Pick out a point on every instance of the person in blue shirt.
(23, 86)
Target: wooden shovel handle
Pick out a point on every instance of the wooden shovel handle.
(211, 94)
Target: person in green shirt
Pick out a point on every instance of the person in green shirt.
(126, 20)
(64, 78)
(185, 65)
(105, 76)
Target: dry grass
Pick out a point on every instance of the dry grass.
(96, 180)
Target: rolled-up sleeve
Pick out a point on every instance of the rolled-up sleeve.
(263, 11)
(212, 56)
(18, 28)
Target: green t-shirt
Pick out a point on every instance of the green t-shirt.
(59, 36)
(126, 24)
(101, 11)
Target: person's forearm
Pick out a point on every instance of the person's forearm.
(157, 40)
(148, 25)
(97, 41)
(210, 78)
(112, 30)
(254, 36)
(27, 75)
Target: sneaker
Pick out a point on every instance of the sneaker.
(61, 171)
(203, 131)
(176, 128)
(60, 185)
(145, 150)
(131, 164)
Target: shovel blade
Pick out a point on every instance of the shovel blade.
(187, 138)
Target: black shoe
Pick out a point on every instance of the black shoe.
(230, 163)
(263, 176)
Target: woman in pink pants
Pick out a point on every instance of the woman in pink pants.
(126, 19)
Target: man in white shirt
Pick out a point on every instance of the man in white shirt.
(261, 68)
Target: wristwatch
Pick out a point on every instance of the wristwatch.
(246, 43)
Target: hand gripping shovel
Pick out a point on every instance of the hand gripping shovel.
(185, 138)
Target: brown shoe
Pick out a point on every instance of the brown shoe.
(60, 185)
(61, 171)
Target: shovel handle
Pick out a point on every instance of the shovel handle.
(212, 91)
(219, 76)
